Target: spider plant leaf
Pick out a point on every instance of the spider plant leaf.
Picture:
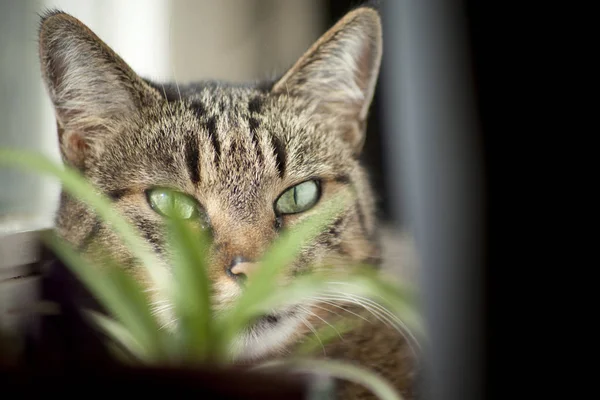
(120, 294)
(379, 386)
(77, 186)
(125, 345)
(192, 298)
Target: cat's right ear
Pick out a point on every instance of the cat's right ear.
(339, 73)
(91, 87)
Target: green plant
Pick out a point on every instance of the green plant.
(201, 336)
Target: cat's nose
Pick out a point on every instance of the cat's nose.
(240, 268)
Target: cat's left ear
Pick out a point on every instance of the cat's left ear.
(339, 72)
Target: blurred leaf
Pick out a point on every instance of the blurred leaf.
(77, 186)
(341, 370)
(121, 336)
(122, 296)
(192, 297)
(121, 354)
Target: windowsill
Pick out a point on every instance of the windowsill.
(15, 223)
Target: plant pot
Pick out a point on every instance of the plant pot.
(117, 380)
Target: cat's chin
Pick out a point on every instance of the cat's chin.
(268, 336)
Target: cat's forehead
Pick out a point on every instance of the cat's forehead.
(216, 99)
(236, 139)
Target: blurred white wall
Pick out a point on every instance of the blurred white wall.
(240, 40)
(138, 30)
(25, 116)
(186, 40)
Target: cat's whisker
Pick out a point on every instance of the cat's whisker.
(306, 310)
(314, 331)
(167, 324)
(350, 284)
(362, 297)
(162, 301)
(171, 63)
(395, 317)
(177, 86)
(382, 308)
(375, 304)
(367, 306)
(380, 316)
(383, 315)
(377, 310)
(160, 308)
(354, 294)
(166, 102)
(326, 309)
(325, 301)
(379, 306)
(157, 313)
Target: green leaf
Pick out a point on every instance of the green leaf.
(192, 298)
(341, 370)
(120, 335)
(77, 186)
(122, 296)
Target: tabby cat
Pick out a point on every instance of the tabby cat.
(246, 161)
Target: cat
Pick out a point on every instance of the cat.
(245, 161)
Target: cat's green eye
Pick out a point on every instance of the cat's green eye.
(172, 204)
(298, 198)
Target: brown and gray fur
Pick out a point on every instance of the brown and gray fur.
(234, 148)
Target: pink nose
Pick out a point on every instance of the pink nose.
(240, 269)
(246, 268)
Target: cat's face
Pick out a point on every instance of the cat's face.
(244, 162)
